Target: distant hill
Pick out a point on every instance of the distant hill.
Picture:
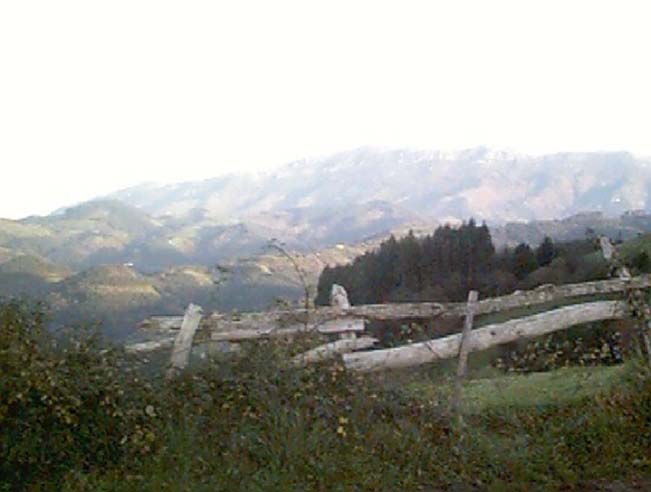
(109, 232)
(495, 186)
(33, 265)
(153, 249)
(626, 226)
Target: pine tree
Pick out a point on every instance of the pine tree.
(524, 261)
(546, 252)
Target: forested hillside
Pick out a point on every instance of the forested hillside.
(445, 265)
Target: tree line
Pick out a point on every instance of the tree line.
(445, 265)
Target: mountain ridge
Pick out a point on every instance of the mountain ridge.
(437, 184)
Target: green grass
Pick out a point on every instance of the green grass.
(555, 388)
(630, 248)
(77, 419)
(533, 432)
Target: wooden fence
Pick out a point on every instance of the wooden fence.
(348, 322)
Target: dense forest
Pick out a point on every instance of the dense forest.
(445, 265)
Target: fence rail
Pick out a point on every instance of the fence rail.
(488, 336)
(347, 321)
(328, 319)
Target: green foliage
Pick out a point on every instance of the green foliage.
(524, 261)
(444, 265)
(585, 346)
(546, 252)
(251, 422)
(641, 262)
(65, 405)
(321, 429)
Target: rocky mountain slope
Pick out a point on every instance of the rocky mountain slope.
(489, 185)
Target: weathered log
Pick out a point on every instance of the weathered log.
(232, 333)
(183, 341)
(646, 337)
(286, 322)
(150, 346)
(161, 323)
(486, 337)
(329, 350)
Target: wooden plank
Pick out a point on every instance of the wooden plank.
(486, 337)
(330, 350)
(150, 346)
(183, 341)
(551, 293)
(464, 348)
(611, 255)
(162, 323)
(285, 322)
(342, 326)
(232, 332)
(646, 337)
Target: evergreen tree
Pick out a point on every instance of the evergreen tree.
(546, 252)
(524, 261)
(641, 262)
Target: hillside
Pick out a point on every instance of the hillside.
(221, 267)
(495, 186)
(110, 232)
(152, 249)
(349, 198)
(36, 266)
(626, 226)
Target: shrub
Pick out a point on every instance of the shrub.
(65, 405)
(253, 422)
(583, 346)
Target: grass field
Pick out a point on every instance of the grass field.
(518, 391)
(569, 429)
(79, 419)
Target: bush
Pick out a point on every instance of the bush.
(65, 405)
(583, 346)
(252, 422)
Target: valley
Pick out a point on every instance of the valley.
(152, 249)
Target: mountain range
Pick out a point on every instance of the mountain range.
(153, 248)
(496, 186)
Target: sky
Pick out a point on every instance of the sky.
(98, 96)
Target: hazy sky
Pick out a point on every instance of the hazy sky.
(96, 96)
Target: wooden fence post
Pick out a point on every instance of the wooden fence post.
(183, 341)
(611, 255)
(339, 300)
(646, 332)
(464, 349)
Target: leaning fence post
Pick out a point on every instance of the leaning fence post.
(611, 255)
(183, 341)
(464, 349)
(647, 341)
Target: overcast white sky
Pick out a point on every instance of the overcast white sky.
(96, 96)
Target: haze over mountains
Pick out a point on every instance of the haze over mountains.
(496, 186)
(343, 198)
(154, 248)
